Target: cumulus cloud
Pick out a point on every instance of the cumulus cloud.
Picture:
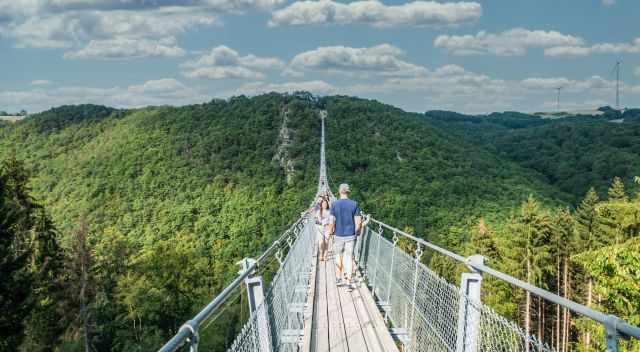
(153, 92)
(109, 5)
(515, 41)
(382, 59)
(601, 48)
(608, 2)
(455, 88)
(372, 12)
(316, 87)
(22, 7)
(117, 33)
(224, 62)
(127, 48)
(452, 81)
(593, 84)
(88, 27)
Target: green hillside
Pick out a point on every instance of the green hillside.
(170, 198)
(572, 153)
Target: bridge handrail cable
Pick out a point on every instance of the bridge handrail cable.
(612, 323)
(189, 329)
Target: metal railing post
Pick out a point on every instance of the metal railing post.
(375, 273)
(194, 338)
(469, 313)
(393, 256)
(611, 333)
(255, 297)
(364, 250)
(412, 336)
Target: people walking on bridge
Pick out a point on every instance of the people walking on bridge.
(323, 220)
(346, 222)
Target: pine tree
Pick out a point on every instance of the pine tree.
(587, 221)
(588, 227)
(17, 282)
(32, 240)
(616, 191)
(563, 246)
(80, 284)
(532, 230)
(484, 242)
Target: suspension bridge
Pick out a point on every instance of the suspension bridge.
(398, 303)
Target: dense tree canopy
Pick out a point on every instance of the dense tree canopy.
(148, 210)
(571, 153)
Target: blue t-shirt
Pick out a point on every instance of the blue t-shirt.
(344, 210)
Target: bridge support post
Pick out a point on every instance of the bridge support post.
(469, 312)
(611, 333)
(255, 297)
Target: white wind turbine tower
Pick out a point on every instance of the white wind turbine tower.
(616, 68)
(558, 89)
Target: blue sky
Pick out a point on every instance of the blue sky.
(468, 56)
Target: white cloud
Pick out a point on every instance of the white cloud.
(127, 48)
(382, 59)
(515, 41)
(416, 13)
(40, 82)
(109, 5)
(154, 92)
(591, 85)
(160, 86)
(454, 88)
(224, 62)
(450, 81)
(601, 48)
(316, 87)
(89, 27)
(30, 7)
(608, 2)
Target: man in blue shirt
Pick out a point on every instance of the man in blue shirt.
(346, 223)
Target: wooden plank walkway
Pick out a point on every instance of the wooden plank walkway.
(344, 321)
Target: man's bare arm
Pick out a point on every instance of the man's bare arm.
(358, 221)
(332, 225)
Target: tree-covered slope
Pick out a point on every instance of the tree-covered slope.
(412, 174)
(173, 197)
(150, 170)
(572, 153)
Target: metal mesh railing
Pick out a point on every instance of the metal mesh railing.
(427, 312)
(277, 324)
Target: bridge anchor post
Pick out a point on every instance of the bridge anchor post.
(255, 297)
(469, 312)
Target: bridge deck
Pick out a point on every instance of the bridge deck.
(344, 321)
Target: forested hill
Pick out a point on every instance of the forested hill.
(170, 198)
(151, 170)
(571, 153)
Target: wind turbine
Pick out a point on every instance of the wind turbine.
(558, 99)
(616, 68)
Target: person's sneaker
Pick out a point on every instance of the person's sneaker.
(349, 287)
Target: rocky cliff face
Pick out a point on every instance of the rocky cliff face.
(284, 142)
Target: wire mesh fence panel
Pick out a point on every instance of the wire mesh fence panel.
(430, 313)
(277, 324)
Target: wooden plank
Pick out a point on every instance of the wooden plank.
(311, 308)
(352, 327)
(337, 338)
(381, 332)
(367, 323)
(321, 318)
